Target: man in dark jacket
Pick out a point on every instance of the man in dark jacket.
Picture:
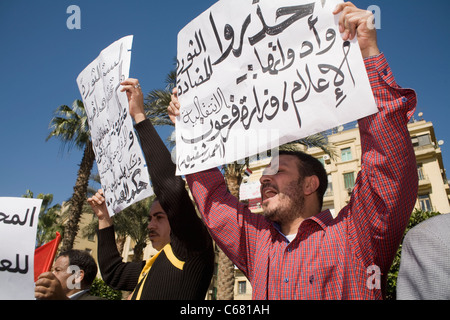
(183, 267)
(71, 278)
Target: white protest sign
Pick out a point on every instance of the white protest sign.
(121, 164)
(255, 74)
(18, 225)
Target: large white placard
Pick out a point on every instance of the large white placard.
(121, 164)
(18, 225)
(255, 74)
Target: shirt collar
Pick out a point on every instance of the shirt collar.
(77, 294)
(323, 219)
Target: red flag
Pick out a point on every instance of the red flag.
(44, 255)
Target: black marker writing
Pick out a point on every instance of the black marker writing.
(311, 64)
(296, 12)
(7, 265)
(116, 150)
(229, 36)
(16, 220)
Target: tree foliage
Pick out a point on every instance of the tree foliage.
(50, 219)
(100, 289)
(70, 126)
(131, 222)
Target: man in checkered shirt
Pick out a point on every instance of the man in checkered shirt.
(295, 250)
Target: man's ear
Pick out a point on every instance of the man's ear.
(79, 277)
(310, 185)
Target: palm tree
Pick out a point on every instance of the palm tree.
(95, 184)
(131, 222)
(49, 221)
(157, 100)
(70, 125)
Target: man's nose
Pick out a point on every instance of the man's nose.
(265, 178)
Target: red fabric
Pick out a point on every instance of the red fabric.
(329, 258)
(44, 255)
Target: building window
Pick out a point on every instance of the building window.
(346, 154)
(242, 287)
(349, 180)
(420, 172)
(329, 191)
(425, 202)
(422, 140)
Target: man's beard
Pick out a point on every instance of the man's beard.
(289, 205)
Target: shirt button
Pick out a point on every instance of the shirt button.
(385, 72)
(289, 250)
(286, 280)
(311, 279)
(404, 99)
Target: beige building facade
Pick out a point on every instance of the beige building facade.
(342, 169)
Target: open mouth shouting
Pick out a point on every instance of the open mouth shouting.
(268, 191)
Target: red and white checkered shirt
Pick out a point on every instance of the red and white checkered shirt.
(339, 258)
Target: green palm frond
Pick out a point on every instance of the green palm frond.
(70, 125)
(318, 140)
(156, 104)
(171, 80)
(157, 101)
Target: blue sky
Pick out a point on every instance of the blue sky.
(40, 59)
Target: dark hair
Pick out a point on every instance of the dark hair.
(85, 262)
(310, 166)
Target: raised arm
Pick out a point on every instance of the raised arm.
(188, 231)
(386, 187)
(116, 273)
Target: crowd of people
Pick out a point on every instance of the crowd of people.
(294, 250)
